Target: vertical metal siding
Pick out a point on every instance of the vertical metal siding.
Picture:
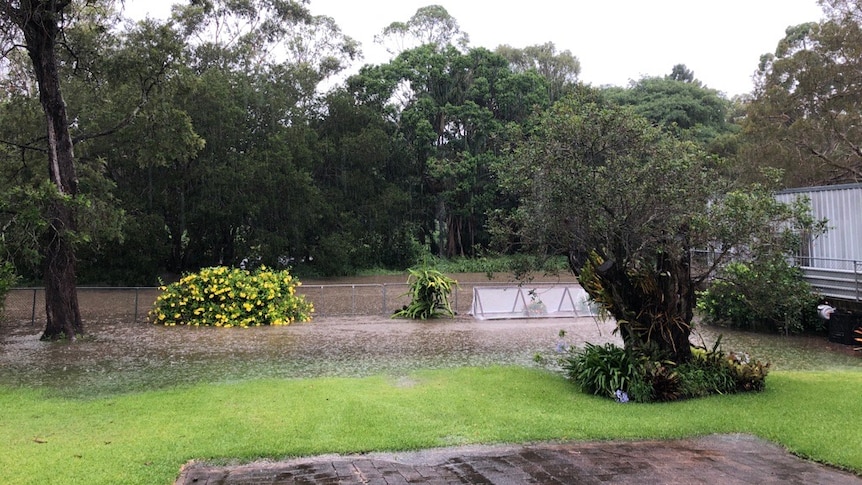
(841, 205)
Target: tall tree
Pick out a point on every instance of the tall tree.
(560, 69)
(369, 219)
(679, 104)
(806, 112)
(628, 203)
(40, 23)
(680, 72)
(122, 131)
(251, 94)
(452, 114)
(429, 25)
(252, 36)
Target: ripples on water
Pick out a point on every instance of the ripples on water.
(119, 358)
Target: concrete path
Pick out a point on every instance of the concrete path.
(714, 460)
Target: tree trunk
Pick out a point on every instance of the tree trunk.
(653, 308)
(676, 293)
(40, 24)
(63, 317)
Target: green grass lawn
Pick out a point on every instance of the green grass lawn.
(146, 437)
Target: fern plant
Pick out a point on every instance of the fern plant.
(429, 295)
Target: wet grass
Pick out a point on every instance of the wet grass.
(146, 437)
(131, 404)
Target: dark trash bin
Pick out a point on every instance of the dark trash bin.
(842, 326)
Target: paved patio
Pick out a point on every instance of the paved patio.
(714, 460)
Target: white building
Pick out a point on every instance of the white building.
(832, 262)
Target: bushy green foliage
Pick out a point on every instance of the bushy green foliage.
(429, 293)
(7, 281)
(749, 375)
(620, 373)
(401, 249)
(659, 381)
(225, 297)
(706, 374)
(137, 259)
(623, 374)
(601, 369)
(765, 295)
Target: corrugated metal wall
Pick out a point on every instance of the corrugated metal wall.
(841, 205)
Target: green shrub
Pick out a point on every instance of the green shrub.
(613, 371)
(661, 382)
(749, 375)
(762, 295)
(224, 297)
(707, 373)
(601, 369)
(520, 265)
(429, 295)
(334, 255)
(7, 281)
(401, 249)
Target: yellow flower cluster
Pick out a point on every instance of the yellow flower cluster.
(225, 297)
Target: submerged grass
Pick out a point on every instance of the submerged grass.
(146, 437)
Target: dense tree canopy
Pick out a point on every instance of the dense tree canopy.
(559, 69)
(805, 114)
(628, 203)
(679, 104)
(430, 25)
(451, 110)
(207, 139)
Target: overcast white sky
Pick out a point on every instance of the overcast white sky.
(615, 40)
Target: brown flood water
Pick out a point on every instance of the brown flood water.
(118, 356)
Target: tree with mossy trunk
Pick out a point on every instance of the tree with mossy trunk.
(629, 204)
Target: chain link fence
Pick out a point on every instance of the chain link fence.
(27, 305)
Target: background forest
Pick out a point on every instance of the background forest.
(224, 135)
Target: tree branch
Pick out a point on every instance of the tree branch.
(109, 131)
(856, 171)
(148, 87)
(23, 147)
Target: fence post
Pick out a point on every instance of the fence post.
(33, 308)
(136, 306)
(322, 304)
(383, 309)
(857, 265)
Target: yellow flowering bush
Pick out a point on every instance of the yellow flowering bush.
(225, 297)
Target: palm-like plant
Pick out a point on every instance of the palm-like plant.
(429, 293)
